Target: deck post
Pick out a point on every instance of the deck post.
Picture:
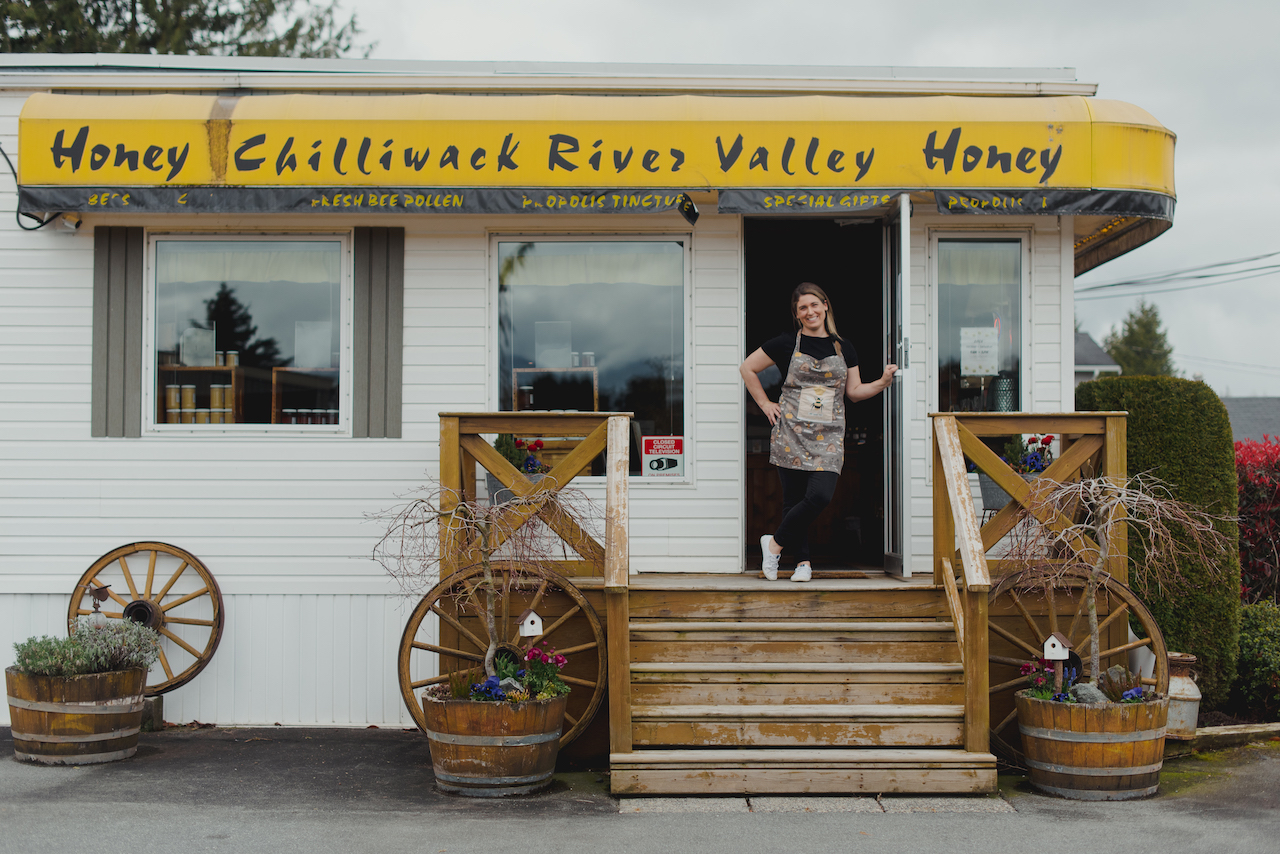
(617, 570)
(450, 492)
(977, 674)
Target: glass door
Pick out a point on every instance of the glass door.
(897, 410)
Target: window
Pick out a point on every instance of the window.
(249, 332)
(594, 326)
(245, 333)
(979, 325)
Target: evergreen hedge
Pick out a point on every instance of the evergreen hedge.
(1179, 431)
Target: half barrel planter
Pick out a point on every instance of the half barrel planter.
(490, 750)
(75, 720)
(1093, 752)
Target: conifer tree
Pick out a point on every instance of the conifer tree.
(1141, 347)
(216, 27)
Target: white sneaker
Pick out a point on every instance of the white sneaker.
(803, 572)
(770, 564)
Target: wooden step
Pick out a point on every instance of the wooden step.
(783, 631)
(796, 711)
(798, 725)
(760, 668)
(784, 771)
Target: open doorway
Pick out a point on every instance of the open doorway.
(847, 261)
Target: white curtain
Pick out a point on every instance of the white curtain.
(307, 262)
(566, 263)
(979, 262)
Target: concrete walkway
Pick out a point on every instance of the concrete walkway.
(285, 790)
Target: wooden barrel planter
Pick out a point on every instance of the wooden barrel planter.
(489, 750)
(75, 720)
(1101, 752)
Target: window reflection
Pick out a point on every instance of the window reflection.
(594, 326)
(979, 325)
(248, 332)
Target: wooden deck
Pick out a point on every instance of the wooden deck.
(734, 684)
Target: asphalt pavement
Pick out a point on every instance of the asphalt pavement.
(286, 790)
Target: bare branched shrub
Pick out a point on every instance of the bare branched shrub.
(509, 542)
(1085, 518)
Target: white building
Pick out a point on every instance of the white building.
(408, 244)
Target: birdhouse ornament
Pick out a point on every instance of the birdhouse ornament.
(530, 624)
(1057, 649)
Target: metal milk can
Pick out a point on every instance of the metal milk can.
(1184, 697)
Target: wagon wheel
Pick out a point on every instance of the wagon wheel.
(1050, 607)
(572, 628)
(163, 587)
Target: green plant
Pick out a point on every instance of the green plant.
(1179, 431)
(1258, 683)
(505, 444)
(118, 645)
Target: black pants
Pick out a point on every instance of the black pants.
(805, 494)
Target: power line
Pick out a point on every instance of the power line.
(1154, 278)
(1268, 271)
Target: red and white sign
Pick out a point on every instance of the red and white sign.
(662, 456)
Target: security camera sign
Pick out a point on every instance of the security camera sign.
(662, 456)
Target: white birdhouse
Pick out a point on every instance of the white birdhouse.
(1057, 647)
(530, 624)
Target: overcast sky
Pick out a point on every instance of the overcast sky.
(1209, 72)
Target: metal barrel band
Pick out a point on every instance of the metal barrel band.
(76, 739)
(493, 740)
(496, 781)
(1094, 772)
(1098, 794)
(126, 708)
(76, 759)
(1092, 737)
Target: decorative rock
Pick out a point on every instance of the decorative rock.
(1088, 693)
(508, 685)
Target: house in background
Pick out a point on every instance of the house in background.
(1092, 361)
(1253, 417)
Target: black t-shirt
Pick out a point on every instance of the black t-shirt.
(780, 349)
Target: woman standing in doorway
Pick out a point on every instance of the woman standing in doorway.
(807, 444)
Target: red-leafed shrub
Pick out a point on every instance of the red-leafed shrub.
(1258, 479)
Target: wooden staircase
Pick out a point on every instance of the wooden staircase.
(833, 686)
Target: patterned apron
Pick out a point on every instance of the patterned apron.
(809, 435)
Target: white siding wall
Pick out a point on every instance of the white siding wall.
(1048, 359)
(312, 623)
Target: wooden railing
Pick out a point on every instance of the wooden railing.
(1091, 443)
(584, 436)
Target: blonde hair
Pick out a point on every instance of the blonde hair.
(810, 288)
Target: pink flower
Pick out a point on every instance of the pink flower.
(531, 655)
(560, 661)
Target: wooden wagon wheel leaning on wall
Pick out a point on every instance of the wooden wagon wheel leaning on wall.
(1060, 609)
(458, 640)
(166, 588)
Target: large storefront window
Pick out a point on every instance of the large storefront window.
(248, 332)
(979, 325)
(594, 326)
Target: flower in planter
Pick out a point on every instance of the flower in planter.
(1029, 456)
(531, 464)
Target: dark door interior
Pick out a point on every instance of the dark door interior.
(845, 261)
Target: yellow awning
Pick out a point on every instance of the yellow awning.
(594, 142)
